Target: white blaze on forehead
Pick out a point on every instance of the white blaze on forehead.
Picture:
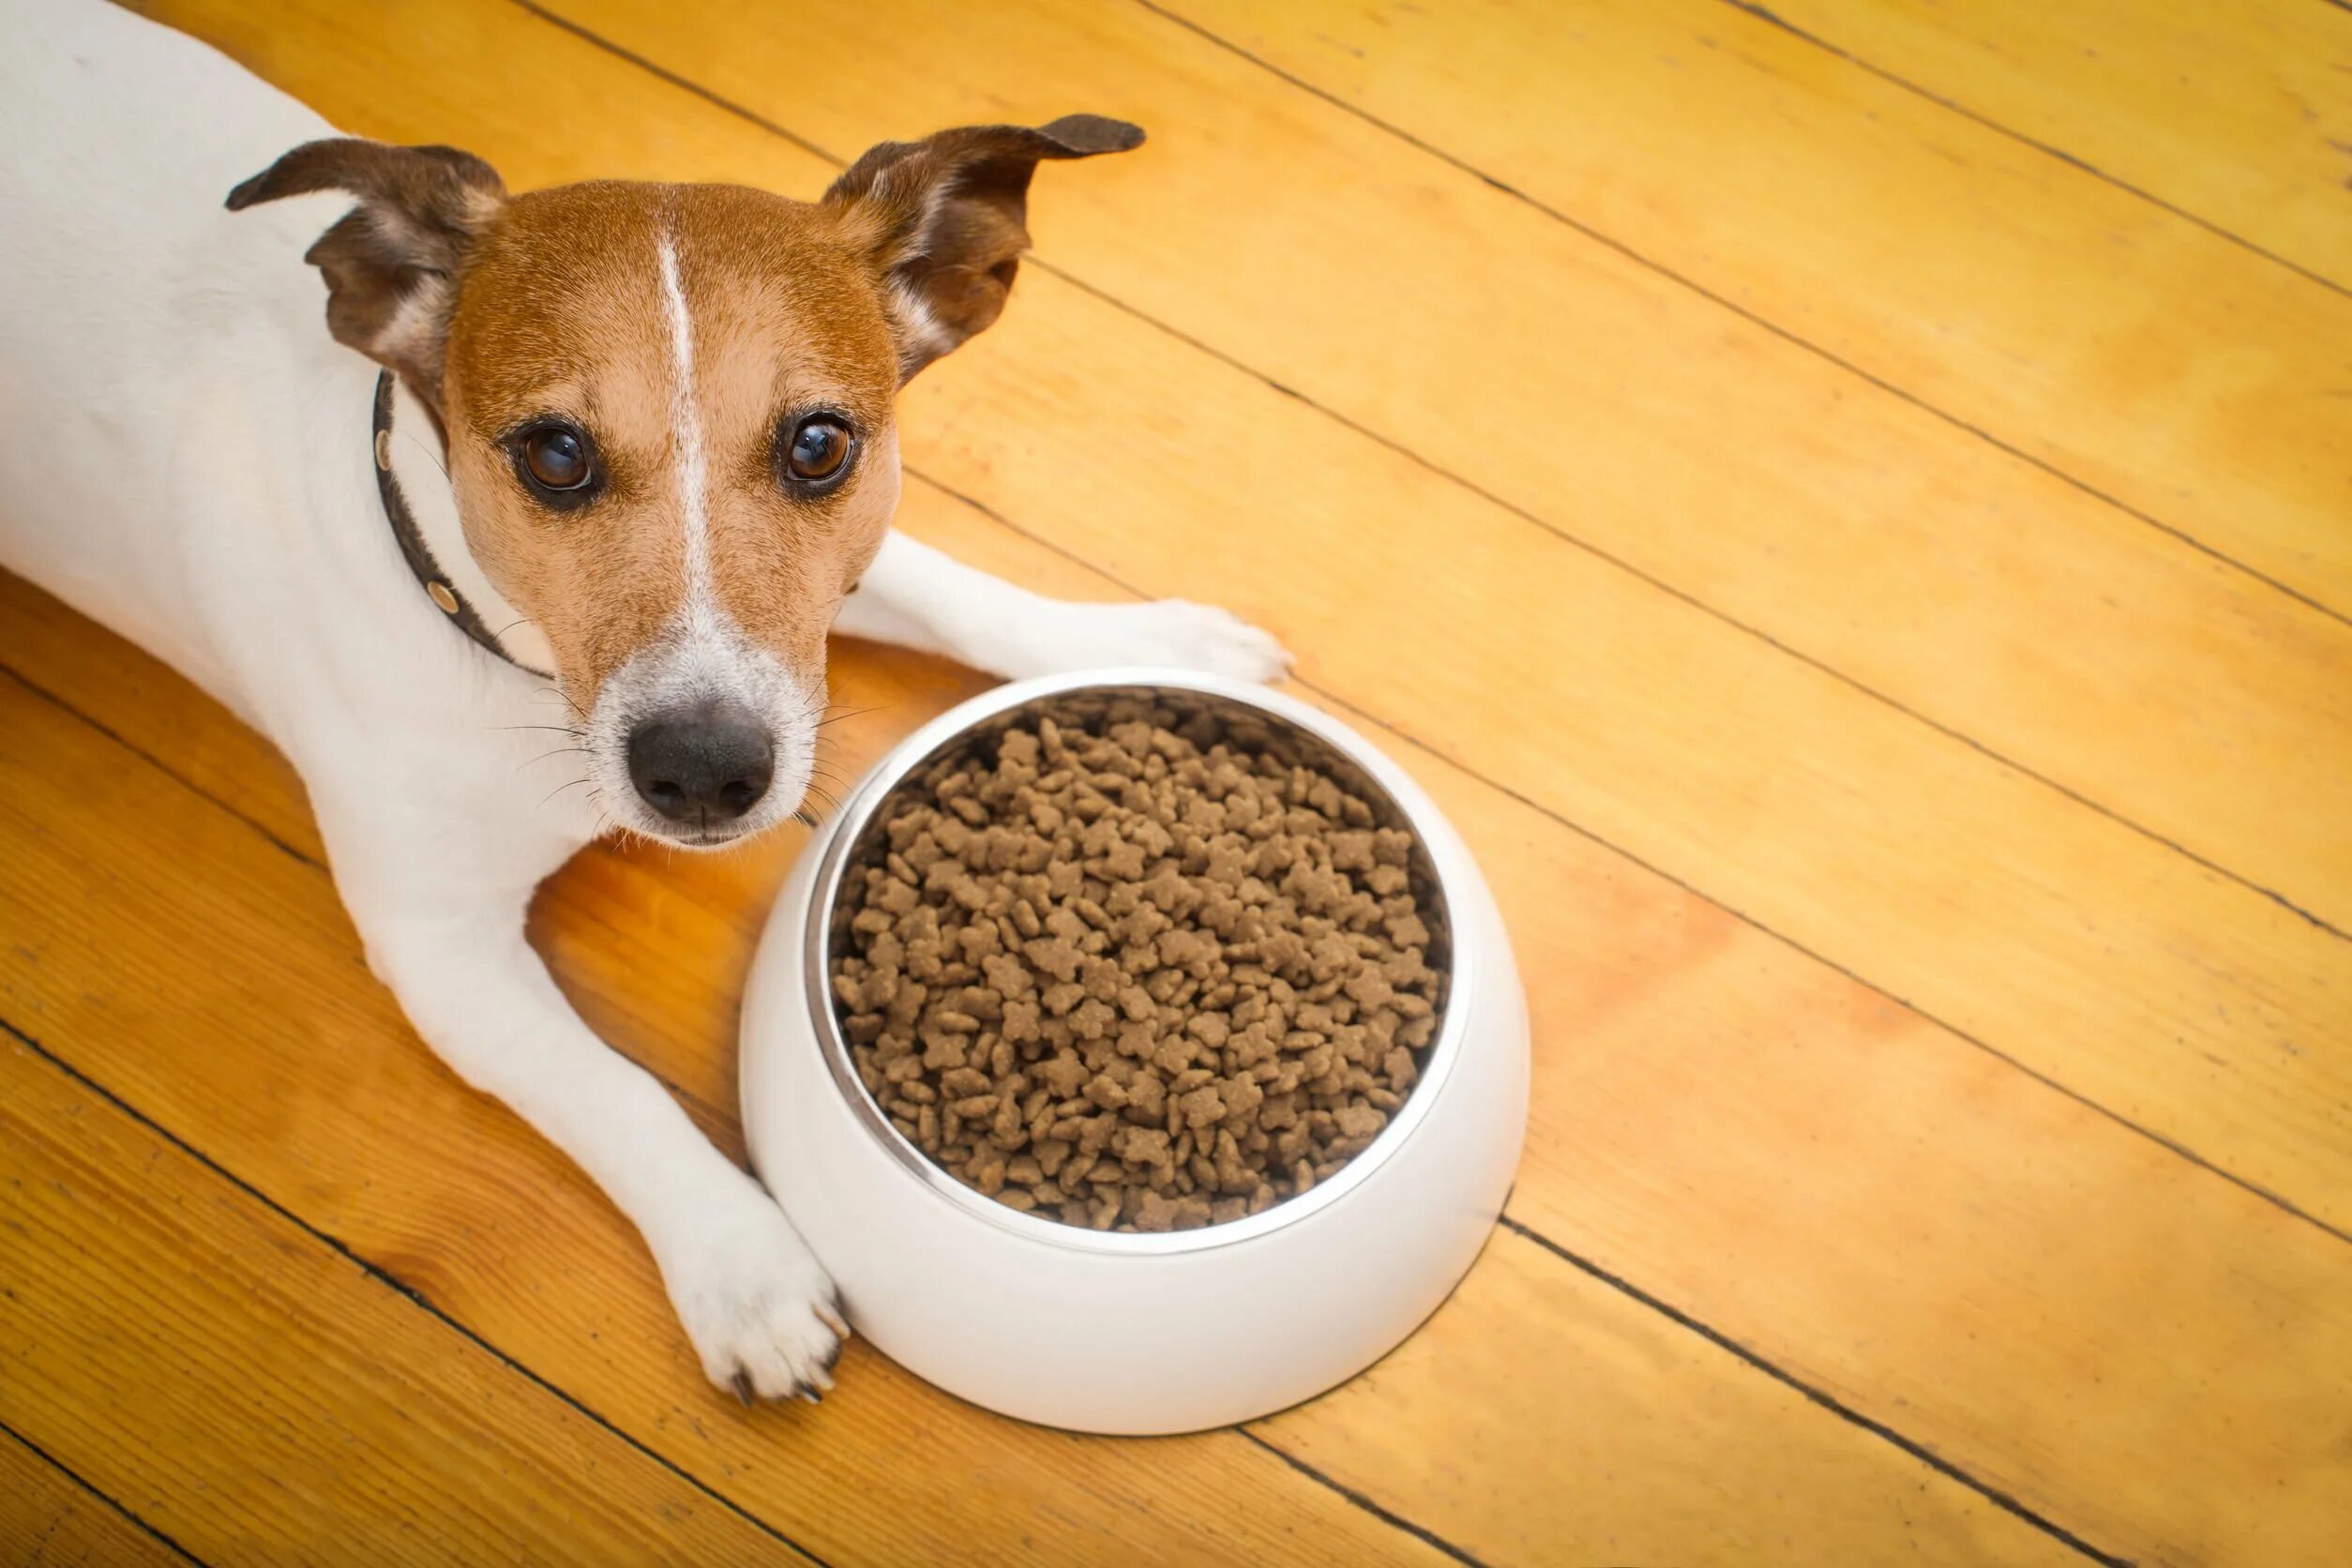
(686, 430)
(703, 656)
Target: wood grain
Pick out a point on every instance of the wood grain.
(1897, 1216)
(1902, 855)
(2238, 113)
(146, 1296)
(1610, 1436)
(1902, 1222)
(375, 1144)
(2018, 294)
(50, 1520)
(131, 957)
(1837, 519)
(1738, 1129)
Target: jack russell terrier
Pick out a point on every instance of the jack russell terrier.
(610, 458)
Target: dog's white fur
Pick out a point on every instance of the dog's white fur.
(186, 456)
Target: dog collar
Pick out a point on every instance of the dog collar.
(411, 539)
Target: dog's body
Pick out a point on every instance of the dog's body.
(186, 456)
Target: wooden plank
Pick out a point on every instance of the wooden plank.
(1773, 1148)
(1786, 492)
(1597, 1438)
(47, 642)
(378, 1147)
(1904, 1221)
(2065, 317)
(2115, 1177)
(130, 955)
(2238, 114)
(2191, 1005)
(1900, 554)
(48, 1519)
(147, 1298)
(2194, 1006)
(1740, 1131)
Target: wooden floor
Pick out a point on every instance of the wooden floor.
(1850, 509)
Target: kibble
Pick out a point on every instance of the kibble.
(1125, 968)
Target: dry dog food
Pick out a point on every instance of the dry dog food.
(1124, 968)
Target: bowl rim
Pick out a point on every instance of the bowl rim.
(1449, 862)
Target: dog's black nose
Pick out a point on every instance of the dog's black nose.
(707, 764)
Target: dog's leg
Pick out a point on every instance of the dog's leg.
(757, 1305)
(918, 597)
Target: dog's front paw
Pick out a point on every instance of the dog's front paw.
(1175, 633)
(761, 1312)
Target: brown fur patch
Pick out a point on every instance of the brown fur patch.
(498, 311)
(563, 313)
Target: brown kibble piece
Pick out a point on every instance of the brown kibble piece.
(1137, 969)
(1203, 1107)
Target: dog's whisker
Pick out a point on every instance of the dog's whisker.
(566, 698)
(408, 434)
(557, 791)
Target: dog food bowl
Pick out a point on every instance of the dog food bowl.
(1115, 1332)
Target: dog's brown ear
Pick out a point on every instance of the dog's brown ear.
(946, 218)
(392, 261)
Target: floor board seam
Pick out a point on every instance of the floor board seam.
(1769, 1332)
(1766, 15)
(1744, 312)
(1810, 661)
(1550, 814)
(419, 1300)
(688, 1096)
(414, 1297)
(44, 694)
(2171, 1145)
(1553, 530)
(1362, 1499)
(46, 1457)
(1827, 1401)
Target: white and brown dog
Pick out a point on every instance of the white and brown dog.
(629, 451)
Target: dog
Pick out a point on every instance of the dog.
(610, 458)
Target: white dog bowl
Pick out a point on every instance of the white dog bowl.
(1111, 1332)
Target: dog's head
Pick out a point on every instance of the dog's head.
(667, 417)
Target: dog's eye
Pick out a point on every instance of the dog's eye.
(556, 462)
(817, 453)
(557, 459)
